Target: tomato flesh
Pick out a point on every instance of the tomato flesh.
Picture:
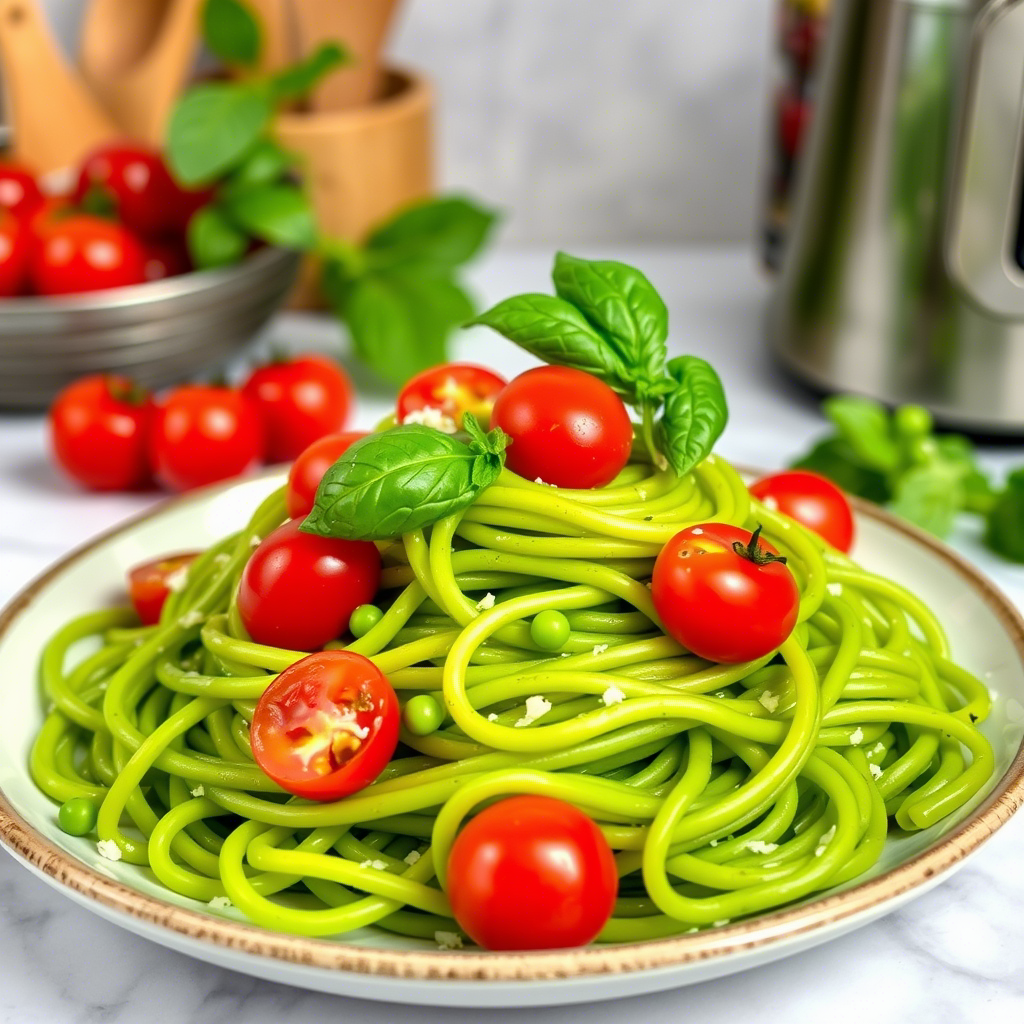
(150, 584)
(454, 389)
(812, 501)
(327, 726)
(309, 468)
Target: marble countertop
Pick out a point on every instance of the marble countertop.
(956, 955)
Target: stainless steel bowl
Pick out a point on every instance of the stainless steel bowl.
(156, 333)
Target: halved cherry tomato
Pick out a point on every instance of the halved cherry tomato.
(19, 191)
(14, 254)
(327, 726)
(300, 400)
(99, 429)
(567, 427)
(150, 584)
(812, 501)
(531, 872)
(308, 470)
(724, 593)
(454, 389)
(298, 591)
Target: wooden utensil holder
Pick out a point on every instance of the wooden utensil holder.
(362, 164)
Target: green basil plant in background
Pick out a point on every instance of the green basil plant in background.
(398, 292)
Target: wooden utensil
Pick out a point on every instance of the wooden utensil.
(280, 35)
(55, 119)
(135, 54)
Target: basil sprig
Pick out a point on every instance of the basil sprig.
(404, 479)
(606, 318)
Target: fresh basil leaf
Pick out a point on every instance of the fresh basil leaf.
(930, 496)
(695, 413)
(1004, 528)
(297, 81)
(623, 306)
(278, 214)
(447, 232)
(400, 480)
(213, 240)
(557, 332)
(835, 459)
(212, 129)
(265, 164)
(231, 32)
(866, 427)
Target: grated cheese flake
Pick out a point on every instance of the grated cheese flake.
(696, 531)
(876, 770)
(199, 791)
(219, 903)
(431, 416)
(536, 707)
(485, 602)
(412, 856)
(769, 701)
(377, 865)
(192, 618)
(613, 695)
(599, 649)
(722, 923)
(108, 849)
(857, 736)
(835, 589)
(760, 846)
(255, 540)
(448, 940)
(176, 580)
(492, 717)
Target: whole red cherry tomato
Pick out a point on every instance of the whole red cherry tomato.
(19, 191)
(165, 258)
(76, 252)
(308, 470)
(811, 500)
(723, 593)
(202, 433)
(298, 591)
(454, 389)
(150, 584)
(327, 726)
(99, 429)
(531, 872)
(300, 400)
(136, 181)
(14, 254)
(567, 427)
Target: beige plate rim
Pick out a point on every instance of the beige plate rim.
(744, 936)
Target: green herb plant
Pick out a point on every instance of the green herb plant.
(398, 292)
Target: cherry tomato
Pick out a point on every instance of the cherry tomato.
(19, 191)
(531, 872)
(99, 428)
(150, 584)
(14, 254)
(76, 252)
(202, 433)
(723, 593)
(567, 427)
(308, 470)
(327, 726)
(298, 591)
(136, 181)
(811, 500)
(300, 400)
(794, 115)
(166, 258)
(454, 389)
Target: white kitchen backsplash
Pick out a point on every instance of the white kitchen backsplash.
(592, 120)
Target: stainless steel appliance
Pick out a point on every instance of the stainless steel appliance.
(903, 275)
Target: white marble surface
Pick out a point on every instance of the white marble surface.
(956, 956)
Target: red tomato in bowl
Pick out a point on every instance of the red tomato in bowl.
(19, 191)
(724, 593)
(567, 427)
(812, 501)
(454, 389)
(203, 433)
(300, 400)
(308, 470)
(327, 726)
(14, 254)
(166, 258)
(298, 591)
(99, 429)
(531, 872)
(150, 584)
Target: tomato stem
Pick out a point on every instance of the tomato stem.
(754, 552)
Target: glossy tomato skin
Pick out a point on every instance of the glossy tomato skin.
(454, 388)
(203, 433)
(150, 584)
(99, 431)
(19, 191)
(531, 872)
(567, 427)
(298, 591)
(75, 252)
(300, 400)
(165, 258)
(719, 604)
(327, 726)
(812, 501)
(308, 470)
(14, 255)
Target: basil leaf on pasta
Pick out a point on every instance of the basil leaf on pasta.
(695, 413)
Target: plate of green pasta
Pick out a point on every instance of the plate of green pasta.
(526, 695)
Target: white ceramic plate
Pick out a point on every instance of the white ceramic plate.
(988, 637)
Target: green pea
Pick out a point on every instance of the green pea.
(913, 421)
(363, 619)
(77, 816)
(422, 715)
(550, 630)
